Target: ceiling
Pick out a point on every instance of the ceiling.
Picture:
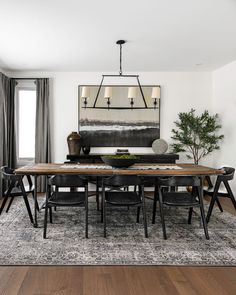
(75, 35)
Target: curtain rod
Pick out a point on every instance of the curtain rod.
(28, 78)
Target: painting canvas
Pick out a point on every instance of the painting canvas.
(118, 127)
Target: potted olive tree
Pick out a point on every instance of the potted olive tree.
(197, 136)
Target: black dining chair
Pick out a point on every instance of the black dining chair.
(16, 188)
(95, 180)
(216, 192)
(113, 194)
(71, 198)
(180, 198)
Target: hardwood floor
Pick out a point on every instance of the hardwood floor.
(119, 280)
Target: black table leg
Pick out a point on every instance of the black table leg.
(35, 201)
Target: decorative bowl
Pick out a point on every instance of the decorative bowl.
(119, 161)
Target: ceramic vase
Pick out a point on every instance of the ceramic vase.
(74, 143)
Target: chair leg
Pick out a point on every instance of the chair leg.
(144, 215)
(45, 222)
(97, 194)
(97, 201)
(9, 205)
(231, 195)
(3, 203)
(208, 180)
(212, 203)
(6, 195)
(104, 219)
(138, 214)
(50, 214)
(190, 213)
(102, 204)
(203, 213)
(162, 216)
(26, 201)
(219, 204)
(154, 206)
(21, 185)
(104, 212)
(28, 208)
(86, 220)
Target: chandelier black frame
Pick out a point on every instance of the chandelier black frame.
(120, 75)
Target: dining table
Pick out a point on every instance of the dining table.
(103, 170)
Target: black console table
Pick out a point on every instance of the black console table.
(142, 158)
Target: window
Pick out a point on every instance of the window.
(25, 121)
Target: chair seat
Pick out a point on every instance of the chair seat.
(67, 199)
(179, 199)
(16, 191)
(122, 198)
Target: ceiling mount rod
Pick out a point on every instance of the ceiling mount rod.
(108, 96)
(24, 78)
(120, 42)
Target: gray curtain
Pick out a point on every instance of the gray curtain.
(7, 124)
(42, 134)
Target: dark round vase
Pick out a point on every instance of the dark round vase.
(74, 143)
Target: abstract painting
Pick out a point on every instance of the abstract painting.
(118, 127)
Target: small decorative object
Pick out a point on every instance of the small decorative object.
(196, 135)
(122, 152)
(86, 150)
(74, 143)
(119, 161)
(159, 146)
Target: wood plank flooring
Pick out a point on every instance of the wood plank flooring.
(119, 280)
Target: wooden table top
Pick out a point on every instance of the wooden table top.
(52, 169)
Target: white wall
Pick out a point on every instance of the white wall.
(180, 91)
(224, 103)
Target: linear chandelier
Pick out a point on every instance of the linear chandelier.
(132, 91)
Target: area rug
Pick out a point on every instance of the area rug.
(21, 244)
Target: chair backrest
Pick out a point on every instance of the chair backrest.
(122, 180)
(179, 181)
(228, 175)
(8, 174)
(67, 181)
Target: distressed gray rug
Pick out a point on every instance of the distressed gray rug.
(21, 244)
